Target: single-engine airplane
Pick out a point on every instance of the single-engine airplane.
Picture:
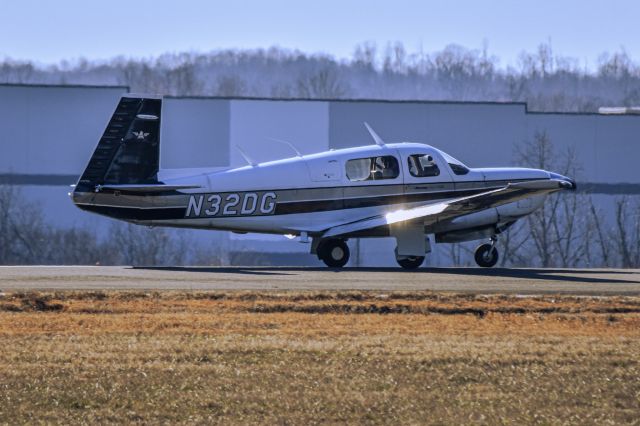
(408, 191)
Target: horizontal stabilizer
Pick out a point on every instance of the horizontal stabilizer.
(145, 187)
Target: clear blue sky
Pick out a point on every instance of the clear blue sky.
(48, 31)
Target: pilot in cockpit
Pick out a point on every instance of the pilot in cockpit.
(383, 168)
(421, 165)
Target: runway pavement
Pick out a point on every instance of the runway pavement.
(466, 280)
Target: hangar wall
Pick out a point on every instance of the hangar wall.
(49, 132)
(450, 126)
(47, 129)
(196, 132)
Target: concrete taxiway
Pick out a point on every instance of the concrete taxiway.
(465, 280)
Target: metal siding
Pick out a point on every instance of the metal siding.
(392, 122)
(458, 129)
(569, 132)
(616, 149)
(304, 124)
(52, 130)
(478, 135)
(195, 133)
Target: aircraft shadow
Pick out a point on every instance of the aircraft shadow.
(542, 274)
(551, 274)
(242, 270)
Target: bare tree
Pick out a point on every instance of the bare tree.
(601, 236)
(460, 253)
(213, 255)
(364, 56)
(559, 236)
(511, 243)
(230, 85)
(395, 59)
(322, 84)
(539, 154)
(17, 72)
(22, 233)
(74, 246)
(183, 80)
(138, 245)
(627, 232)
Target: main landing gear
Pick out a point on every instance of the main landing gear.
(333, 252)
(411, 262)
(486, 255)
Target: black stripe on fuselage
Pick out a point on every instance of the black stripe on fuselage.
(129, 213)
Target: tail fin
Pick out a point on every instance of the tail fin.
(129, 150)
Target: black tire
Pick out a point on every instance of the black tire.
(334, 253)
(486, 256)
(411, 262)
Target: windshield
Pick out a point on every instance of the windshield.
(456, 166)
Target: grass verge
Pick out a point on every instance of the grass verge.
(317, 357)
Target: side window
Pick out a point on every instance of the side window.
(359, 169)
(422, 165)
(459, 169)
(373, 168)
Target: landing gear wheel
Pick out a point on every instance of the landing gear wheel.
(486, 255)
(334, 253)
(410, 262)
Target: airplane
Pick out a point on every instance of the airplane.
(408, 191)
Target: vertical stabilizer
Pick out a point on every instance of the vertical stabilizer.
(129, 150)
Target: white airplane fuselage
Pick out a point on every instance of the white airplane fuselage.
(312, 192)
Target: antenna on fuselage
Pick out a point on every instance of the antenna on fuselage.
(289, 144)
(246, 157)
(374, 135)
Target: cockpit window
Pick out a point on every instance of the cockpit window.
(456, 166)
(422, 165)
(373, 168)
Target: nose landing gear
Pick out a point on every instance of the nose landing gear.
(486, 255)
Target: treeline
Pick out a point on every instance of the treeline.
(28, 237)
(546, 81)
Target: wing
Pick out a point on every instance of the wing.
(456, 207)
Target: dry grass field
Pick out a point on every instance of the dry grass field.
(318, 357)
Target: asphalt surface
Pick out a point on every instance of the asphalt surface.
(465, 280)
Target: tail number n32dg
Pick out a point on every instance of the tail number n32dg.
(231, 204)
